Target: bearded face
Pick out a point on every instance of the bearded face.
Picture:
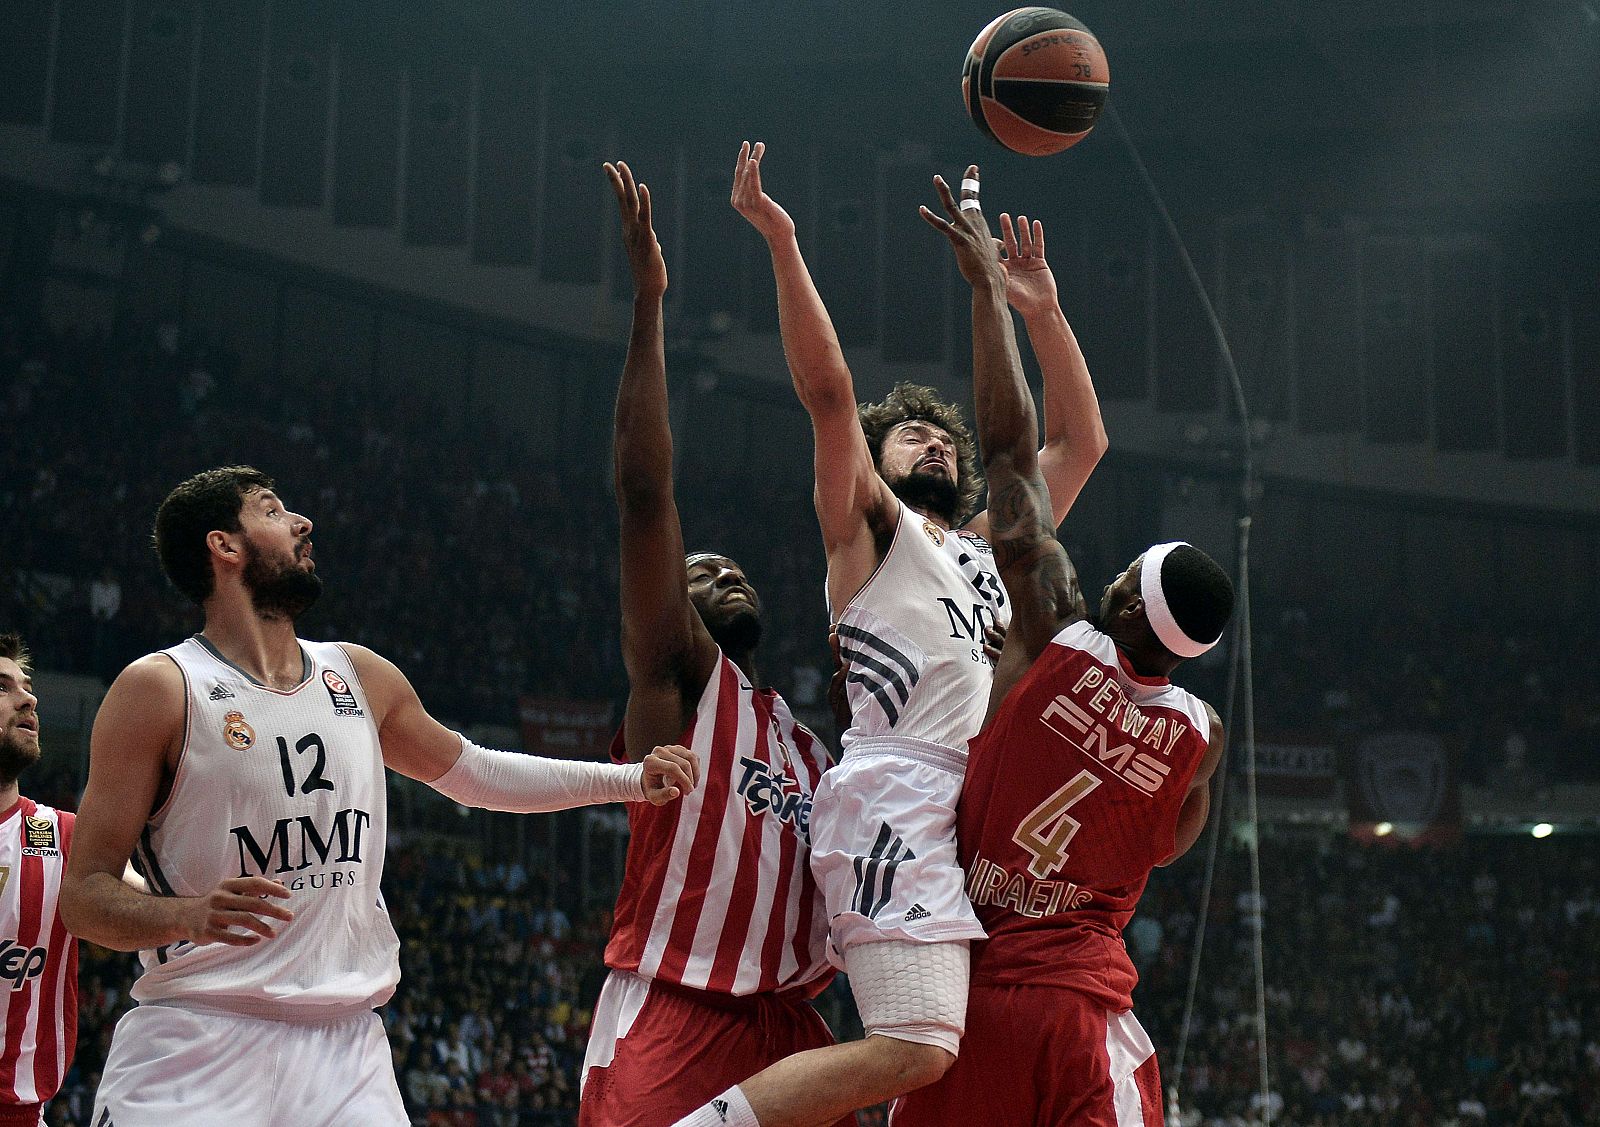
(19, 722)
(281, 584)
(726, 602)
(919, 463)
(933, 492)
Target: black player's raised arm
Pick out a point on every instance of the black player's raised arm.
(665, 645)
(1038, 575)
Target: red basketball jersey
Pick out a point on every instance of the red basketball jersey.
(718, 893)
(38, 958)
(1072, 797)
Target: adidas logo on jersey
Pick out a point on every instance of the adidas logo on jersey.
(917, 912)
(721, 1108)
(221, 692)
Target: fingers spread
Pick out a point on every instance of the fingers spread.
(945, 197)
(938, 224)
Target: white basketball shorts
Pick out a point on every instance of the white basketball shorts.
(883, 846)
(179, 1067)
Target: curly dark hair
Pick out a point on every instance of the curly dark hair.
(13, 647)
(207, 502)
(909, 401)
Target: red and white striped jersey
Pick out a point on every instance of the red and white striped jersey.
(718, 893)
(38, 958)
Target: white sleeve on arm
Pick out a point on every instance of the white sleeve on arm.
(531, 784)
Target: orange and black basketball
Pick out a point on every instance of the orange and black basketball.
(1035, 80)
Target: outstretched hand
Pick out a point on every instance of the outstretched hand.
(750, 201)
(638, 235)
(1030, 284)
(977, 251)
(670, 771)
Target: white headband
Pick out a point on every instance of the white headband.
(1156, 610)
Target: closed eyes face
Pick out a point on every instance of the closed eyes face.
(917, 446)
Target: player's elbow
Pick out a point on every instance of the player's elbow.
(1080, 454)
(77, 911)
(905, 1066)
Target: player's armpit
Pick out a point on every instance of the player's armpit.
(413, 742)
(854, 504)
(1196, 809)
(1044, 587)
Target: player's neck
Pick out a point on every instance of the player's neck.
(264, 648)
(1148, 662)
(9, 797)
(746, 661)
(929, 515)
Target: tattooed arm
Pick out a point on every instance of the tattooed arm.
(1039, 577)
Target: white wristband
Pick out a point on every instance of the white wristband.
(532, 784)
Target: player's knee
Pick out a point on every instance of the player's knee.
(908, 1065)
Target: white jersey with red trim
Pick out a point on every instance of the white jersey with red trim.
(38, 957)
(912, 638)
(288, 785)
(718, 894)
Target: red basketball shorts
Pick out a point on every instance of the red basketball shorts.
(658, 1052)
(1042, 1056)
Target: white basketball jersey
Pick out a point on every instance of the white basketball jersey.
(287, 785)
(913, 637)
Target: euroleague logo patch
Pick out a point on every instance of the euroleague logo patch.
(344, 701)
(240, 736)
(39, 837)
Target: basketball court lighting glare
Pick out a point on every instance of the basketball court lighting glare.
(1383, 829)
(1543, 829)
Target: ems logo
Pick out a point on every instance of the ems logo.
(344, 701)
(240, 736)
(935, 533)
(39, 837)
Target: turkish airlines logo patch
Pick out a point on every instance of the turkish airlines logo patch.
(39, 837)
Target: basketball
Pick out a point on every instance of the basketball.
(1035, 80)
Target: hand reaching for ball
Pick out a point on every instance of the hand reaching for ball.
(977, 251)
(1030, 285)
(750, 201)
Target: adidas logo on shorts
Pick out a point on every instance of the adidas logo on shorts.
(721, 1108)
(917, 912)
(219, 692)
